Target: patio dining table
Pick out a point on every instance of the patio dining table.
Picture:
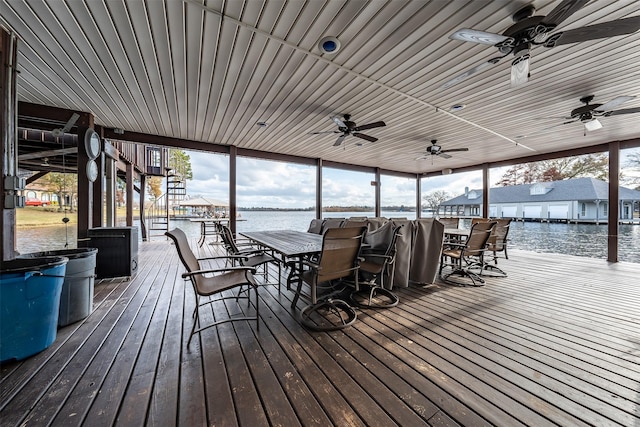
(456, 233)
(288, 243)
(207, 230)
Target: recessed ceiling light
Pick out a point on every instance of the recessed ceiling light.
(457, 107)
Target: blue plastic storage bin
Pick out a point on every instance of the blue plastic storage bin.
(29, 303)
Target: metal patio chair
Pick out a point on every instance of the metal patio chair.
(377, 268)
(498, 243)
(248, 255)
(463, 257)
(337, 261)
(211, 281)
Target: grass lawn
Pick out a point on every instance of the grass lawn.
(37, 216)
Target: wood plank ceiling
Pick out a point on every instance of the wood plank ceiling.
(209, 70)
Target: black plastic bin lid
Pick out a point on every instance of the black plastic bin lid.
(69, 253)
(23, 265)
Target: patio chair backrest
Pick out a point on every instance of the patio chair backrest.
(228, 240)
(315, 226)
(450, 222)
(351, 222)
(478, 238)
(477, 220)
(498, 238)
(185, 253)
(329, 223)
(340, 250)
(188, 258)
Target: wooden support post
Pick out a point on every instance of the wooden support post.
(418, 196)
(129, 191)
(141, 212)
(111, 177)
(485, 191)
(85, 187)
(233, 200)
(8, 141)
(614, 195)
(319, 188)
(378, 207)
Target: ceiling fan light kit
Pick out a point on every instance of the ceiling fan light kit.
(593, 124)
(520, 66)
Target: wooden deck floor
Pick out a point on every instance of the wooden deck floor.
(555, 343)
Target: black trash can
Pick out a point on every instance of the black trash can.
(76, 299)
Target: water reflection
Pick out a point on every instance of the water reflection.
(38, 239)
(588, 240)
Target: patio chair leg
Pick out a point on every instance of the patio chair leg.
(342, 313)
(387, 299)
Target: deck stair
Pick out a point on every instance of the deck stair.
(159, 213)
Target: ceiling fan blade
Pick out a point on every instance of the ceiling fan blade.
(423, 157)
(477, 36)
(363, 136)
(324, 132)
(67, 127)
(547, 128)
(618, 27)
(369, 126)
(470, 72)
(339, 140)
(454, 149)
(563, 11)
(339, 122)
(444, 155)
(618, 100)
(72, 121)
(624, 111)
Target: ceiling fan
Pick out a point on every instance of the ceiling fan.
(588, 113)
(67, 127)
(347, 127)
(435, 150)
(529, 30)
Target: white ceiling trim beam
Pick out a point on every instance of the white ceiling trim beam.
(354, 73)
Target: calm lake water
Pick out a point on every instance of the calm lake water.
(587, 240)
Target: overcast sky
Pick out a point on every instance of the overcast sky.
(263, 183)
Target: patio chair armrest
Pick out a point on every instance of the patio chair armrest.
(378, 256)
(310, 263)
(243, 257)
(251, 252)
(217, 270)
(458, 245)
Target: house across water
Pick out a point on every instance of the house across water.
(572, 200)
